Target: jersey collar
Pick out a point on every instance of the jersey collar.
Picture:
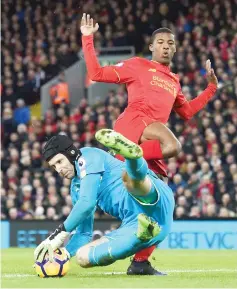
(76, 166)
(161, 67)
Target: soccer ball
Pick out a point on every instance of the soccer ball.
(58, 268)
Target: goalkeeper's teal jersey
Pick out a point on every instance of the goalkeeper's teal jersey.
(109, 193)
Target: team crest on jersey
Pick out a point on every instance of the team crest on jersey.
(152, 69)
(82, 167)
(119, 64)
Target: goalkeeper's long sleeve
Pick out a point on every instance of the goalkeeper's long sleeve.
(82, 235)
(86, 203)
(189, 108)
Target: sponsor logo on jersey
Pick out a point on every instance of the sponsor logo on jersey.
(82, 166)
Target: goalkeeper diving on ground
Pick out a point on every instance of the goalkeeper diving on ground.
(128, 191)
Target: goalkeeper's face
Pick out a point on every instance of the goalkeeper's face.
(163, 48)
(63, 166)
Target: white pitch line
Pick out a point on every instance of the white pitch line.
(201, 270)
(18, 275)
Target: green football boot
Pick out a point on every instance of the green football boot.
(147, 229)
(119, 144)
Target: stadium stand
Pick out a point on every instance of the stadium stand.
(41, 38)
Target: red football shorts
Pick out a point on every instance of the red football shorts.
(131, 124)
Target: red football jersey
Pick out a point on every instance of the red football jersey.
(152, 87)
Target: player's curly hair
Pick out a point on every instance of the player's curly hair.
(160, 30)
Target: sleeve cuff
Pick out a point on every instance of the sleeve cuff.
(212, 85)
(87, 37)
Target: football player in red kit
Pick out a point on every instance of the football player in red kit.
(153, 92)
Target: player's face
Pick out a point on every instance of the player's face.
(62, 165)
(163, 48)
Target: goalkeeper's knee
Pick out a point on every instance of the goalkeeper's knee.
(82, 257)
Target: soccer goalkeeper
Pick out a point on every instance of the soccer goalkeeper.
(128, 191)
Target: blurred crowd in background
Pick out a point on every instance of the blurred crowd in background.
(42, 38)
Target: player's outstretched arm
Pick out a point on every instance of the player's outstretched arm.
(110, 74)
(82, 236)
(80, 212)
(86, 203)
(187, 109)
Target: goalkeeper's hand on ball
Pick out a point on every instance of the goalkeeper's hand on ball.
(53, 242)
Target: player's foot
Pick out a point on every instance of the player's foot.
(147, 229)
(143, 268)
(119, 144)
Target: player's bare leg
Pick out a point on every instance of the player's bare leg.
(82, 255)
(170, 146)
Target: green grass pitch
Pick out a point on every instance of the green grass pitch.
(185, 268)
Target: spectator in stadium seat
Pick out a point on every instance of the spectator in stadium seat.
(211, 211)
(177, 182)
(26, 194)
(205, 170)
(205, 187)
(51, 214)
(4, 161)
(13, 214)
(189, 195)
(36, 160)
(39, 213)
(182, 201)
(65, 212)
(195, 212)
(52, 68)
(26, 210)
(21, 113)
(8, 123)
(64, 191)
(22, 133)
(14, 141)
(224, 213)
(228, 203)
(66, 57)
(205, 200)
(52, 190)
(55, 202)
(180, 212)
